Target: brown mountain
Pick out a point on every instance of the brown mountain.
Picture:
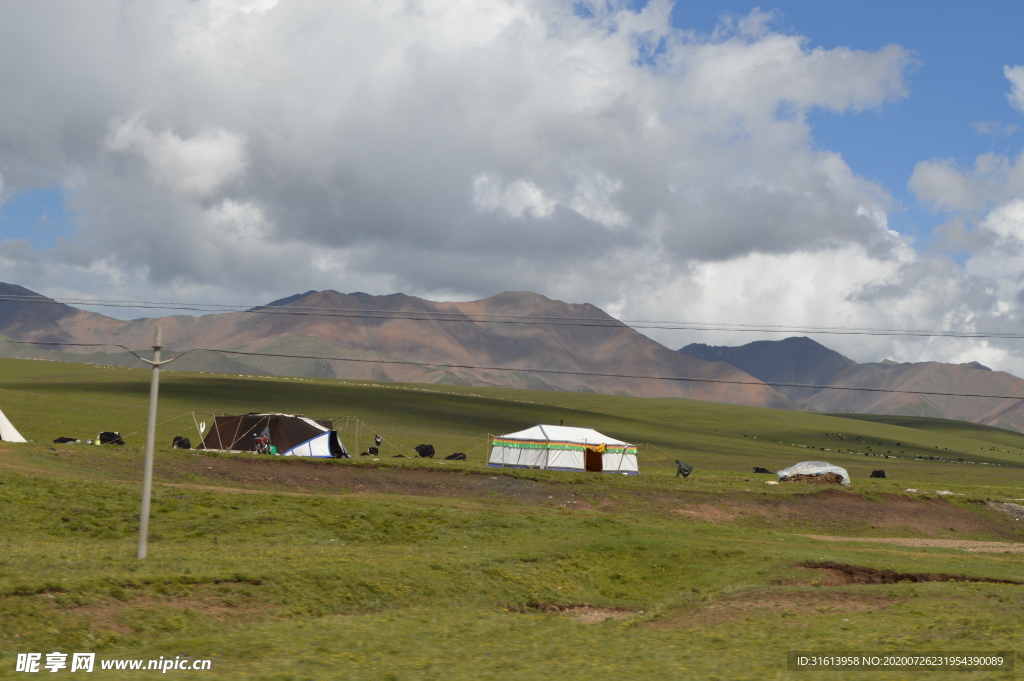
(385, 337)
(928, 377)
(804, 361)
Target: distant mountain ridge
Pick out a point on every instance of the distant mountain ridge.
(402, 338)
(861, 388)
(797, 360)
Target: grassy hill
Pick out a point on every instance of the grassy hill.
(290, 569)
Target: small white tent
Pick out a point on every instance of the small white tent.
(8, 433)
(563, 448)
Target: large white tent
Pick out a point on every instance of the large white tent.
(563, 448)
(8, 433)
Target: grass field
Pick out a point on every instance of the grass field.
(410, 569)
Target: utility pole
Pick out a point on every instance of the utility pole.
(147, 471)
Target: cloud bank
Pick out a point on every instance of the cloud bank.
(242, 151)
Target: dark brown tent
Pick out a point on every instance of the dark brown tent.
(285, 431)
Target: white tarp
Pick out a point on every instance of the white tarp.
(814, 468)
(562, 448)
(319, 446)
(8, 433)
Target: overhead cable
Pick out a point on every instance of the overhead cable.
(569, 372)
(541, 320)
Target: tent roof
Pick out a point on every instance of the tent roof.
(319, 426)
(544, 433)
(8, 433)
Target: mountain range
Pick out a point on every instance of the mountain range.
(520, 340)
(885, 387)
(513, 339)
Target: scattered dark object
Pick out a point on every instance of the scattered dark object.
(683, 469)
(374, 451)
(877, 474)
(110, 438)
(758, 469)
(398, 456)
(64, 440)
(180, 442)
(425, 451)
(364, 453)
(377, 439)
(826, 479)
(457, 456)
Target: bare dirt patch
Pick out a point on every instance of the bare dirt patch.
(116, 614)
(580, 612)
(761, 604)
(965, 544)
(710, 513)
(858, 574)
(842, 512)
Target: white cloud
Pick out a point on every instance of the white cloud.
(195, 167)
(392, 145)
(994, 128)
(994, 178)
(515, 199)
(1015, 74)
(1007, 220)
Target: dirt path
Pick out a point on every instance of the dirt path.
(976, 546)
(836, 512)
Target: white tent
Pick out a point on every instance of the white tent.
(8, 433)
(563, 448)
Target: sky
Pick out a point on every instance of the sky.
(789, 163)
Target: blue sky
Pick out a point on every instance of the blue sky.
(795, 163)
(960, 49)
(39, 215)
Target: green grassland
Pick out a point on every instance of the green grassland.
(291, 569)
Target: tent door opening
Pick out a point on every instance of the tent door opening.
(593, 461)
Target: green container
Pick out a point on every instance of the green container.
(273, 449)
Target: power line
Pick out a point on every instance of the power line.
(540, 320)
(569, 372)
